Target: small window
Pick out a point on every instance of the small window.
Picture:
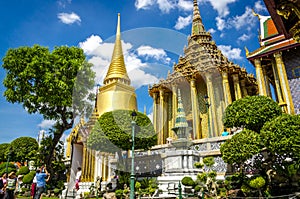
(296, 72)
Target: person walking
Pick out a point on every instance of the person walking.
(11, 186)
(77, 179)
(41, 175)
(3, 181)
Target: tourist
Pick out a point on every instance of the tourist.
(12, 184)
(77, 179)
(225, 133)
(33, 188)
(3, 182)
(41, 175)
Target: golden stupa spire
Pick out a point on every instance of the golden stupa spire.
(117, 70)
(197, 26)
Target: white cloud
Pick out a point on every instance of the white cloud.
(220, 23)
(143, 4)
(211, 30)
(100, 54)
(185, 5)
(149, 52)
(69, 18)
(258, 7)
(246, 19)
(230, 53)
(182, 22)
(46, 124)
(221, 6)
(244, 37)
(91, 44)
(165, 5)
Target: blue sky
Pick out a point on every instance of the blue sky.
(154, 33)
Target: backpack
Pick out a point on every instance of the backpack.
(11, 183)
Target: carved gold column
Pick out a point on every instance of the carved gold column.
(93, 165)
(236, 85)
(195, 110)
(155, 112)
(174, 105)
(162, 118)
(226, 88)
(284, 83)
(212, 107)
(166, 118)
(260, 78)
(278, 89)
(106, 167)
(84, 166)
(244, 89)
(103, 167)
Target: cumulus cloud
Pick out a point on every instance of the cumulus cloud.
(67, 18)
(246, 20)
(149, 52)
(221, 6)
(164, 5)
(244, 37)
(231, 53)
(46, 124)
(182, 22)
(144, 4)
(221, 24)
(100, 53)
(185, 5)
(258, 7)
(211, 30)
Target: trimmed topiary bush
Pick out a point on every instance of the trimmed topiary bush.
(187, 181)
(27, 179)
(23, 171)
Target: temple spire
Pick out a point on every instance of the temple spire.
(197, 26)
(117, 70)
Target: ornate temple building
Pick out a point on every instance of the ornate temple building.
(115, 94)
(209, 82)
(277, 65)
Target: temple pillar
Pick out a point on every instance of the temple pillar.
(155, 112)
(281, 102)
(213, 125)
(84, 164)
(195, 111)
(103, 168)
(174, 105)
(260, 78)
(166, 122)
(244, 88)
(226, 88)
(162, 118)
(237, 88)
(284, 83)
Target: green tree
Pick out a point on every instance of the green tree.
(112, 132)
(23, 149)
(4, 150)
(44, 82)
(241, 147)
(251, 112)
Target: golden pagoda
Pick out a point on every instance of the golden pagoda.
(202, 73)
(115, 94)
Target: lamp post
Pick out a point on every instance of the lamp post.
(8, 157)
(133, 116)
(207, 110)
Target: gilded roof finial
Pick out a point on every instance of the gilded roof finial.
(197, 26)
(247, 51)
(117, 69)
(255, 14)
